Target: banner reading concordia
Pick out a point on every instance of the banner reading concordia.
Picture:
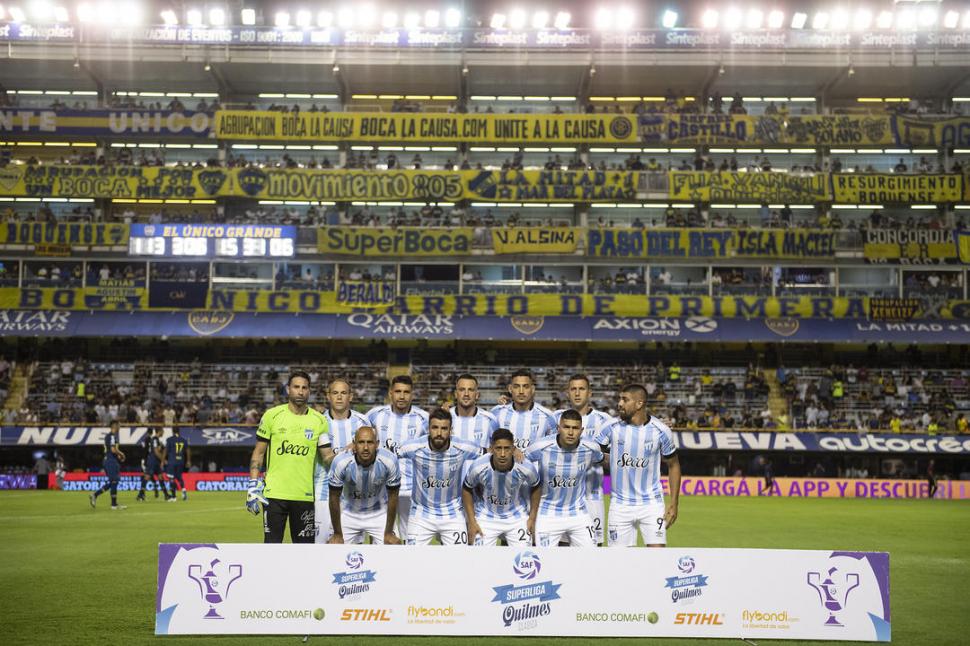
(536, 240)
(401, 241)
(67, 234)
(887, 188)
(909, 246)
(710, 243)
(791, 188)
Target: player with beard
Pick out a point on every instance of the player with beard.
(469, 422)
(397, 423)
(580, 400)
(439, 460)
(343, 422)
(291, 437)
(637, 443)
(558, 513)
(364, 486)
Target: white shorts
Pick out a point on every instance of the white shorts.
(576, 530)
(403, 512)
(512, 530)
(449, 531)
(626, 519)
(356, 527)
(597, 514)
(323, 528)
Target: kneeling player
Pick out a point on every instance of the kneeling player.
(495, 494)
(558, 511)
(436, 488)
(365, 484)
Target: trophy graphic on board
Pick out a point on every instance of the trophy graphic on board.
(210, 584)
(832, 594)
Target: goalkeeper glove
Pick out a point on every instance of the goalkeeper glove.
(255, 496)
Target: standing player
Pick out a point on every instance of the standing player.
(636, 444)
(153, 463)
(290, 438)
(494, 494)
(365, 484)
(397, 423)
(559, 513)
(343, 421)
(113, 457)
(176, 461)
(469, 422)
(436, 487)
(527, 420)
(580, 399)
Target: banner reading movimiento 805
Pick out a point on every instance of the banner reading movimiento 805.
(368, 589)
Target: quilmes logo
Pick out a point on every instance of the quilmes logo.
(214, 587)
(688, 584)
(356, 580)
(522, 605)
(833, 591)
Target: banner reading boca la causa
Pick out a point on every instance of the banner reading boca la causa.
(213, 589)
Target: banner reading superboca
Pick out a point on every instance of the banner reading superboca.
(678, 592)
(399, 241)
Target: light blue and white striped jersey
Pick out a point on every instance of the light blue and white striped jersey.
(528, 426)
(477, 429)
(341, 434)
(563, 474)
(592, 423)
(501, 495)
(436, 489)
(365, 488)
(394, 430)
(635, 455)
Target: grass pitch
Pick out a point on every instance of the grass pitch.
(71, 575)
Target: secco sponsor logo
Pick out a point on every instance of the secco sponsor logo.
(365, 614)
(699, 619)
(433, 615)
(767, 619)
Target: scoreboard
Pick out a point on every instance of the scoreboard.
(213, 240)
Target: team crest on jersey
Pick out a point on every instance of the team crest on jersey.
(535, 427)
(309, 433)
(523, 605)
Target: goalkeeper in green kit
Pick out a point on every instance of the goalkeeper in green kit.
(290, 439)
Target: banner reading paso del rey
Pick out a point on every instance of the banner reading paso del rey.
(808, 130)
(710, 243)
(896, 188)
(790, 188)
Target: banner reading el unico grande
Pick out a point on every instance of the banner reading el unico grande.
(536, 239)
(896, 188)
(710, 243)
(678, 592)
(68, 234)
(790, 188)
(910, 246)
(786, 309)
(648, 128)
(410, 241)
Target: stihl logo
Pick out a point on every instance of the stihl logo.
(699, 618)
(365, 614)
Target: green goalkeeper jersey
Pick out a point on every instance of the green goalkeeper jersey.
(292, 451)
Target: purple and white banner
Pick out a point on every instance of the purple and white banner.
(222, 589)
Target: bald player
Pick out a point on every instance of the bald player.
(636, 443)
(344, 422)
(364, 485)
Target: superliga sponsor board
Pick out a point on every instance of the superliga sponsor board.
(331, 589)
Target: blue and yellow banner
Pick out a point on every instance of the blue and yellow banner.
(536, 240)
(67, 234)
(962, 237)
(105, 123)
(750, 188)
(710, 243)
(401, 241)
(377, 301)
(909, 246)
(896, 188)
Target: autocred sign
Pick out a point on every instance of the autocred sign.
(213, 589)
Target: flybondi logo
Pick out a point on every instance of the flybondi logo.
(356, 581)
